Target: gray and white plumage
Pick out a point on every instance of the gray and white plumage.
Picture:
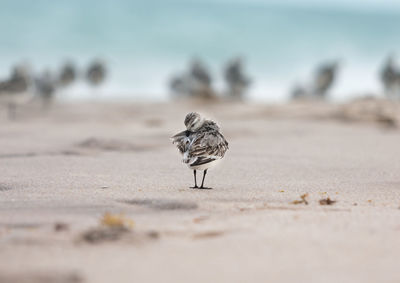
(45, 86)
(15, 90)
(325, 77)
(390, 77)
(201, 144)
(67, 74)
(236, 79)
(96, 73)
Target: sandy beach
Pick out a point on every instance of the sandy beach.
(63, 170)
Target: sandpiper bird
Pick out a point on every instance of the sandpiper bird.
(235, 78)
(201, 144)
(390, 77)
(15, 90)
(45, 87)
(67, 74)
(325, 77)
(96, 73)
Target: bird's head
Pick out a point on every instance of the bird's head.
(193, 121)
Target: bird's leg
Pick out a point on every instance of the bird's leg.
(195, 181)
(202, 182)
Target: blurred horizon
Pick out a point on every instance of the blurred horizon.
(145, 43)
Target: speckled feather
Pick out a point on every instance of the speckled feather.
(206, 144)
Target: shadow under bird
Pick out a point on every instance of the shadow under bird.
(201, 144)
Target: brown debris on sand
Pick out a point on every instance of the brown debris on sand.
(200, 219)
(326, 201)
(116, 221)
(302, 200)
(113, 227)
(60, 226)
(380, 111)
(208, 234)
(104, 234)
(155, 122)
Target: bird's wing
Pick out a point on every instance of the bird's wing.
(181, 140)
(209, 144)
(202, 160)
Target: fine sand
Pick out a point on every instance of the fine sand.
(63, 169)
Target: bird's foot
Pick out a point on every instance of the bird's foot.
(205, 188)
(195, 187)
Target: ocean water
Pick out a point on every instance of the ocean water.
(146, 42)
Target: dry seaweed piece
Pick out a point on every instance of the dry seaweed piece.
(303, 200)
(116, 221)
(326, 201)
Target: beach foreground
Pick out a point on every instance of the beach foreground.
(63, 170)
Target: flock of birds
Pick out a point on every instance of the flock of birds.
(197, 81)
(23, 85)
(322, 81)
(326, 74)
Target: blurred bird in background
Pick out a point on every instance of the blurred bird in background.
(15, 90)
(325, 77)
(68, 74)
(390, 78)
(195, 83)
(323, 80)
(45, 87)
(235, 78)
(96, 73)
